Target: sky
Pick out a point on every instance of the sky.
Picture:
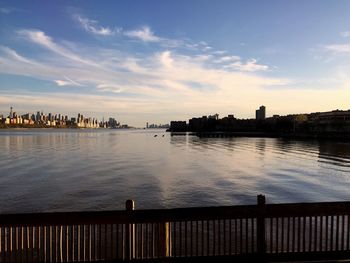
(157, 61)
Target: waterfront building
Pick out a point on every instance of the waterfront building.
(178, 126)
(214, 117)
(260, 114)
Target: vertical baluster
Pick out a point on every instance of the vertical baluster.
(141, 241)
(253, 235)
(94, 242)
(117, 241)
(191, 240)
(208, 238)
(153, 240)
(310, 233)
(230, 236)
(236, 237)
(304, 233)
(123, 241)
(299, 234)
(277, 229)
(316, 232)
(33, 242)
(22, 258)
(5, 244)
(180, 238)
(1, 242)
(38, 243)
(326, 230)
(106, 239)
(321, 233)
(224, 238)
(84, 241)
(112, 241)
(73, 242)
(246, 235)
(241, 235)
(9, 244)
(219, 237)
(348, 243)
(197, 240)
(214, 236)
(288, 235)
(271, 235)
(157, 239)
(57, 244)
(99, 242)
(78, 242)
(201, 248)
(337, 235)
(50, 244)
(202, 226)
(44, 243)
(6, 253)
(89, 242)
(147, 241)
(332, 227)
(67, 243)
(282, 236)
(342, 232)
(60, 229)
(16, 244)
(186, 238)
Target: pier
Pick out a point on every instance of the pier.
(245, 233)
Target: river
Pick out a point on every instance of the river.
(46, 170)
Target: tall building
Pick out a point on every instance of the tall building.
(260, 114)
(11, 113)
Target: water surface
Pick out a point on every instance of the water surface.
(76, 170)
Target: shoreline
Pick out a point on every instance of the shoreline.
(294, 136)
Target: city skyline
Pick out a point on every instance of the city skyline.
(161, 61)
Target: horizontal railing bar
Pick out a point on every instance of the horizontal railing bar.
(176, 214)
(134, 216)
(307, 209)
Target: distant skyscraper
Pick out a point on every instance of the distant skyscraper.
(260, 114)
(147, 125)
(11, 113)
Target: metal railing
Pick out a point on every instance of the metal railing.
(267, 231)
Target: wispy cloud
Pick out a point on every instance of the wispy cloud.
(67, 82)
(345, 34)
(13, 54)
(9, 10)
(39, 37)
(93, 27)
(219, 52)
(144, 33)
(250, 66)
(338, 48)
(4, 10)
(227, 59)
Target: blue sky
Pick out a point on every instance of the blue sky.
(156, 61)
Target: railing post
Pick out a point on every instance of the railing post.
(261, 240)
(130, 233)
(163, 232)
